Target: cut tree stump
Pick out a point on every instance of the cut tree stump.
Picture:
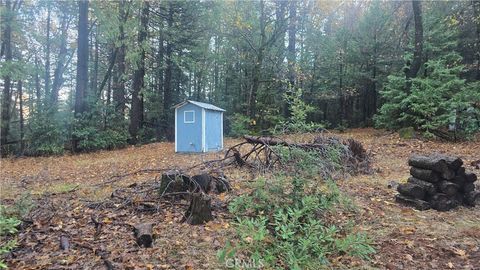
(427, 186)
(448, 188)
(472, 198)
(173, 181)
(411, 190)
(418, 204)
(200, 210)
(200, 183)
(425, 174)
(436, 163)
(144, 234)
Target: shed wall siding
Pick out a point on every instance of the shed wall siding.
(213, 130)
(189, 135)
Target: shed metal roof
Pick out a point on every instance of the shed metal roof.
(201, 105)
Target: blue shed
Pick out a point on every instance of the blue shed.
(198, 127)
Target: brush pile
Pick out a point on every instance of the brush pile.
(439, 182)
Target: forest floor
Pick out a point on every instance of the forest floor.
(72, 194)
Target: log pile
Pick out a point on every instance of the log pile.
(439, 182)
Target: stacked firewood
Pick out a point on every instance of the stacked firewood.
(439, 182)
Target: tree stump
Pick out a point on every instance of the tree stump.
(200, 210)
(199, 183)
(143, 234)
(411, 190)
(173, 181)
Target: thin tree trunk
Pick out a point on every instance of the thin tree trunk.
(136, 113)
(167, 88)
(22, 133)
(47, 53)
(417, 53)
(82, 59)
(476, 14)
(118, 86)
(6, 95)
(62, 58)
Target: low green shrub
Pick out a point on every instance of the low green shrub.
(239, 125)
(276, 227)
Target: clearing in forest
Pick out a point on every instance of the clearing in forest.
(72, 199)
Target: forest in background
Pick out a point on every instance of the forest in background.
(91, 75)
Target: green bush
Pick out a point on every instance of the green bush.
(45, 135)
(91, 132)
(297, 122)
(239, 125)
(278, 227)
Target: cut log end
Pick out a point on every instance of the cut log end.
(144, 234)
(411, 190)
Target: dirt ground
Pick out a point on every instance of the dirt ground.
(70, 200)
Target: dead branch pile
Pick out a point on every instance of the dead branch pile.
(264, 153)
(439, 182)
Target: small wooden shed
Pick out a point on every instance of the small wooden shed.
(198, 127)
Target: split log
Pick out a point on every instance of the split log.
(424, 174)
(441, 202)
(448, 188)
(144, 234)
(411, 190)
(416, 203)
(436, 163)
(470, 177)
(173, 181)
(200, 210)
(472, 198)
(200, 183)
(428, 187)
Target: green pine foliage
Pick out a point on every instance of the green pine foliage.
(439, 98)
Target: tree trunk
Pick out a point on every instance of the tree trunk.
(47, 53)
(417, 53)
(292, 32)
(22, 130)
(257, 70)
(476, 15)
(118, 86)
(82, 59)
(60, 67)
(167, 86)
(136, 112)
(6, 93)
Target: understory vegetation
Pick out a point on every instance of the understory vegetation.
(286, 220)
(10, 220)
